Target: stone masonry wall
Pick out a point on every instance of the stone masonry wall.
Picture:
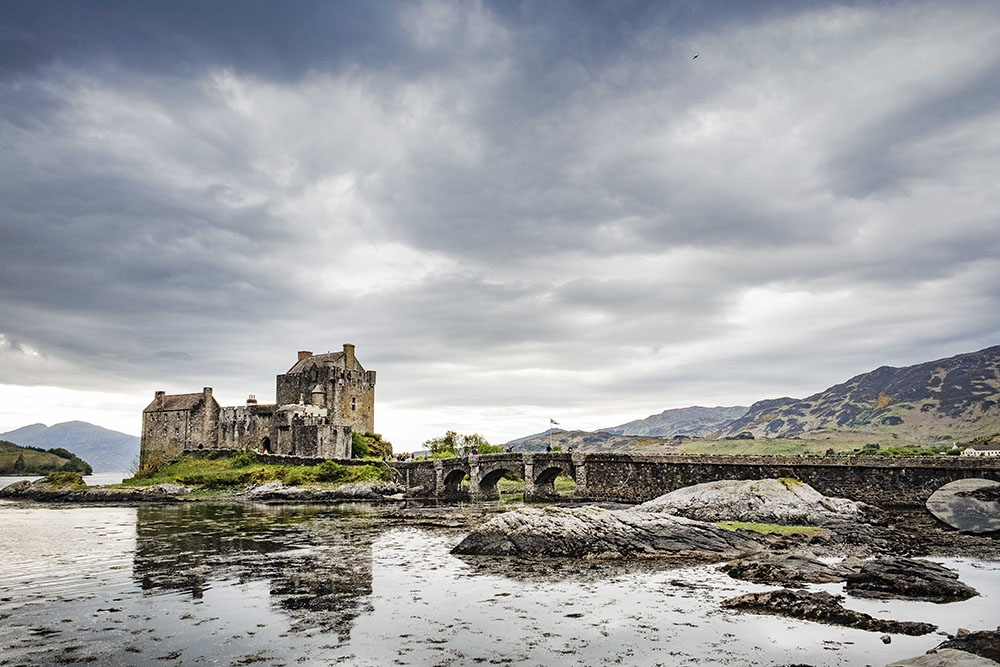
(901, 481)
(246, 426)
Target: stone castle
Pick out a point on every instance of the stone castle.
(320, 401)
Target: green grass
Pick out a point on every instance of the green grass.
(565, 485)
(65, 479)
(242, 469)
(769, 528)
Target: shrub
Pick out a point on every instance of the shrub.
(77, 464)
(296, 476)
(243, 458)
(330, 471)
(364, 445)
(65, 479)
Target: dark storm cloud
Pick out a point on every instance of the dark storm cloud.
(184, 38)
(505, 205)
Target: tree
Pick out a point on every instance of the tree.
(455, 444)
(19, 465)
(446, 445)
(365, 445)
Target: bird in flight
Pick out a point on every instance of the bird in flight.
(695, 56)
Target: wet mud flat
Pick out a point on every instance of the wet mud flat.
(374, 585)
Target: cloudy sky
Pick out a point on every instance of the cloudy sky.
(516, 211)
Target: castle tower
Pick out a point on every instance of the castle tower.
(336, 381)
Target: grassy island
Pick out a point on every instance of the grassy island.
(241, 469)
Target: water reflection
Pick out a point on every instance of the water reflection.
(231, 584)
(319, 572)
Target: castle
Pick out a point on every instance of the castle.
(320, 401)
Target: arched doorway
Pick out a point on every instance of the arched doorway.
(265, 445)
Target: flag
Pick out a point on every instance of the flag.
(553, 421)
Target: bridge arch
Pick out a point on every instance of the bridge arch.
(542, 471)
(453, 482)
(488, 469)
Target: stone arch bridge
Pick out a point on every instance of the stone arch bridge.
(885, 481)
(444, 477)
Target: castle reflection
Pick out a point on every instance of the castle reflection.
(317, 560)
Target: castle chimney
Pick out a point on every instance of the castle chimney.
(159, 398)
(251, 400)
(207, 391)
(349, 359)
(304, 354)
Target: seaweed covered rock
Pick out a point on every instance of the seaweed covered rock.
(75, 490)
(789, 568)
(822, 608)
(907, 579)
(781, 501)
(278, 491)
(594, 532)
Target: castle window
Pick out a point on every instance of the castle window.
(354, 403)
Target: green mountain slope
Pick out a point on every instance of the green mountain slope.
(955, 398)
(16, 460)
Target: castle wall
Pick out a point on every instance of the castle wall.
(164, 436)
(247, 427)
(354, 401)
(306, 440)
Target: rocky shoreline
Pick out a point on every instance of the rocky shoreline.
(687, 526)
(44, 490)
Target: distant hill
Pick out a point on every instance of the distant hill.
(596, 441)
(15, 460)
(105, 450)
(957, 398)
(533, 436)
(695, 421)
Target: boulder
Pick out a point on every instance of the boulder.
(946, 657)
(781, 501)
(968, 505)
(985, 643)
(907, 579)
(822, 608)
(788, 568)
(592, 532)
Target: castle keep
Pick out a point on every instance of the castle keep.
(320, 401)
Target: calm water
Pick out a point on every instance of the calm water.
(92, 480)
(228, 584)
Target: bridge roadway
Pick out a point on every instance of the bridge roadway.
(631, 478)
